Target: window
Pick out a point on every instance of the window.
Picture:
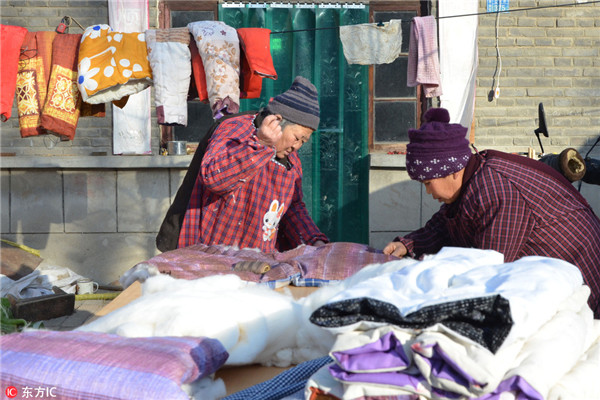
(394, 107)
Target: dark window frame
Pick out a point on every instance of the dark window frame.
(422, 103)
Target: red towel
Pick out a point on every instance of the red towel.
(256, 60)
(32, 80)
(61, 110)
(198, 73)
(11, 38)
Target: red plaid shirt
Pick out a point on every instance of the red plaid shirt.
(242, 196)
(508, 206)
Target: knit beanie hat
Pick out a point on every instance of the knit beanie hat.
(299, 104)
(438, 148)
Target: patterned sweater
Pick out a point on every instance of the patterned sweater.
(518, 207)
(243, 197)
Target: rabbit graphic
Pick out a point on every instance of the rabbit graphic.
(271, 219)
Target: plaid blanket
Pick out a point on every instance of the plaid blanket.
(302, 266)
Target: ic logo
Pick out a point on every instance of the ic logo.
(11, 392)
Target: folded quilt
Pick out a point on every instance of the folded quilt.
(89, 365)
(302, 266)
(399, 360)
(112, 65)
(534, 286)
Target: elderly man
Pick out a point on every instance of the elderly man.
(248, 192)
(499, 201)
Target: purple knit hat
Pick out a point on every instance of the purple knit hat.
(438, 148)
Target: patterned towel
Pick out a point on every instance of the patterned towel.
(219, 48)
(61, 110)
(423, 61)
(112, 65)
(32, 80)
(11, 38)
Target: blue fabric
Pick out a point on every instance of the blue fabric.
(285, 384)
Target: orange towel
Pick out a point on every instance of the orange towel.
(256, 60)
(61, 110)
(32, 78)
(11, 38)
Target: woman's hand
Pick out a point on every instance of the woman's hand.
(270, 131)
(395, 249)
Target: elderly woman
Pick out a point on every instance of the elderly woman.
(249, 189)
(494, 200)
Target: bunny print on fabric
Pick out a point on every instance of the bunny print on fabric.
(271, 220)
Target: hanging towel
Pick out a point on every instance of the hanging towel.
(368, 44)
(219, 48)
(11, 38)
(199, 81)
(169, 56)
(256, 60)
(112, 65)
(61, 109)
(32, 80)
(423, 61)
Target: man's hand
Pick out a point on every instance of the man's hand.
(270, 131)
(395, 249)
(319, 243)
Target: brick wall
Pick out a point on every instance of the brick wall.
(93, 134)
(549, 55)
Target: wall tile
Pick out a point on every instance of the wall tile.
(36, 199)
(90, 201)
(142, 199)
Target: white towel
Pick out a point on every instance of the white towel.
(368, 44)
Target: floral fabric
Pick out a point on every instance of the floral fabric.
(219, 48)
(112, 65)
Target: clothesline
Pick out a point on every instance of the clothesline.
(456, 16)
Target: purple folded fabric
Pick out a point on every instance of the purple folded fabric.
(91, 365)
(386, 353)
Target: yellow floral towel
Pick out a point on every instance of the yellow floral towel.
(112, 65)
